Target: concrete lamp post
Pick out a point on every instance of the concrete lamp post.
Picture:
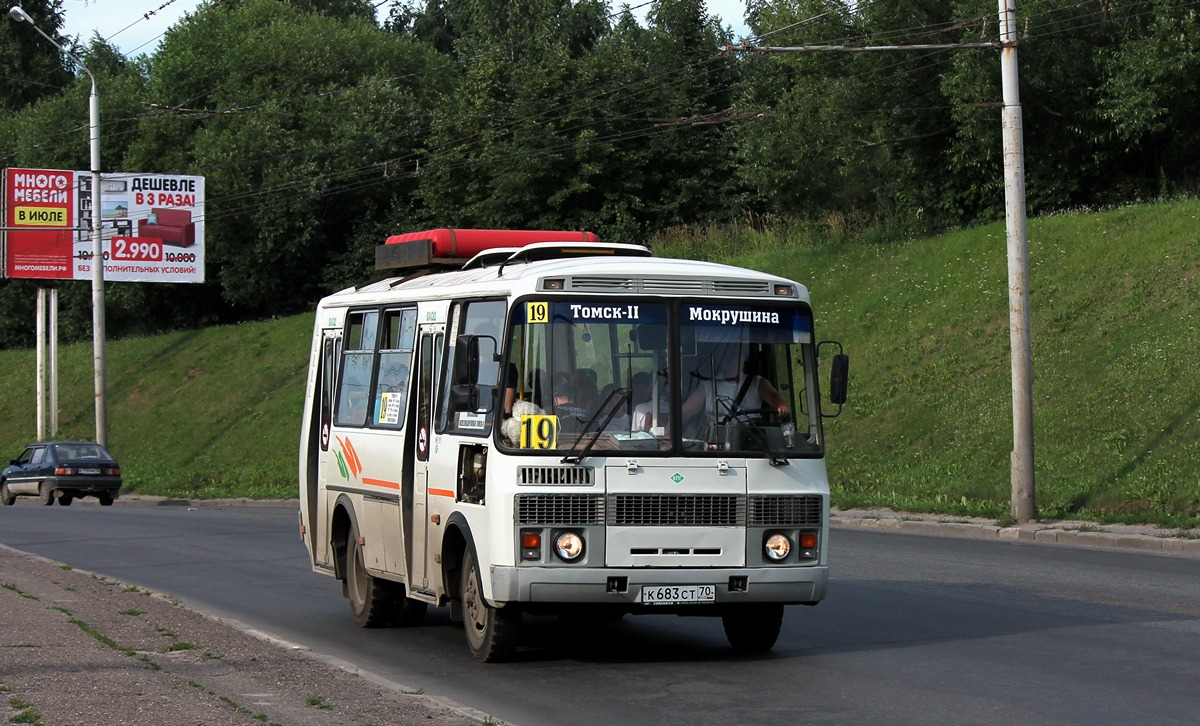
(18, 14)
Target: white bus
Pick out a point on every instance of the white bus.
(572, 428)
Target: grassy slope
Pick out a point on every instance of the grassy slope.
(205, 413)
(1116, 339)
(928, 428)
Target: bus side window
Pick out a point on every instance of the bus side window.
(392, 374)
(483, 319)
(358, 359)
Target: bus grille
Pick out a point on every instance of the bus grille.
(559, 509)
(556, 475)
(773, 511)
(679, 510)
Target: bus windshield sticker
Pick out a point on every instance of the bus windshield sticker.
(471, 421)
(539, 432)
(537, 312)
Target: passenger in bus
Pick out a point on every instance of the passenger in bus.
(584, 387)
(565, 402)
(643, 392)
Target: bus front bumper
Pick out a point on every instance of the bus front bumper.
(614, 586)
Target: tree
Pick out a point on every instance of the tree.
(304, 126)
(30, 67)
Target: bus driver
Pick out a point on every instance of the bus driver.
(736, 390)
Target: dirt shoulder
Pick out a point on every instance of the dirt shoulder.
(78, 648)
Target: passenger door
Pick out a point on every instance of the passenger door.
(416, 508)
(326, 465)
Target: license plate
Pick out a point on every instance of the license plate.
(89, 471)
(677, 594)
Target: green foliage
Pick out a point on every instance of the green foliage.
(320, 133)
(30, 67)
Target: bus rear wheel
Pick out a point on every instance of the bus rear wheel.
(371, 600)
(491, 632)
(753, 628)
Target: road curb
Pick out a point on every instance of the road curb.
(1079, 534)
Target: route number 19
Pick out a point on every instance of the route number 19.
(539, 432)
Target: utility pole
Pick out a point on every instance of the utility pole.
(1024, 503)
(100, 377)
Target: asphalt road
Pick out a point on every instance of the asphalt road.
(915, 629)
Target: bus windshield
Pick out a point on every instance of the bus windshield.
(597, 374)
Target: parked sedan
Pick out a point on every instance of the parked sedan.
(62, 470)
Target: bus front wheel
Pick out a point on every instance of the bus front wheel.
(491, 632)
(753, 628)
(371, 599)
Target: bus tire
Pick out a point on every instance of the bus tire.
(491, 632)
(409, 613)
(753, 628)
(371, 600)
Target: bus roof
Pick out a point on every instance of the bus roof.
(603, 274)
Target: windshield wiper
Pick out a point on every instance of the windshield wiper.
(621, 395)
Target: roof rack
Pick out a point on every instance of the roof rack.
(561, 250)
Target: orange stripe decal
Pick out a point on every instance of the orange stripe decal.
(356, 465)
(381, 483)
(442, 493)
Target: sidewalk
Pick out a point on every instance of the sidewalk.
(78, 648)
(1143, 538)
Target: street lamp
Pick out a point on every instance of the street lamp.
(18, 14)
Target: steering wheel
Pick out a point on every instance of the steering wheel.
(750, 413)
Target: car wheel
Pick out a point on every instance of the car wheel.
(491, 632)
(106, 499)
(5, 495)
(65, 499)
(45, 494)
(371, 599)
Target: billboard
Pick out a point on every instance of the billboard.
(152, 226)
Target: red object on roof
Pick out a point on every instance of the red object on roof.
(464, 243)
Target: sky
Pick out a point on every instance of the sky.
(125, 24)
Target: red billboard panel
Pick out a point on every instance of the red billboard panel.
(40, 217)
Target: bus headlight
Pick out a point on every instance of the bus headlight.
(568, 546)
(777, 546)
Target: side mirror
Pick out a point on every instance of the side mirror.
(466, 361)
(464, 397)
(837, 378)
(839, 373)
